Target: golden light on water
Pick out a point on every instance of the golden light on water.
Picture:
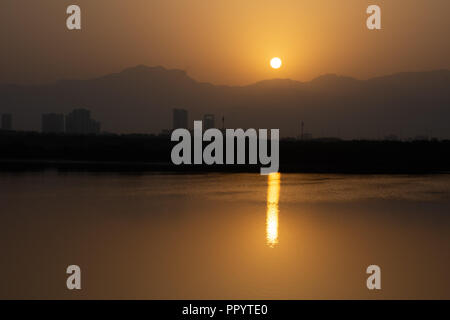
(273, 194)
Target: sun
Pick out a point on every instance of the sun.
(275, 63)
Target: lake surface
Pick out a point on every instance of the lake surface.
(224, 236)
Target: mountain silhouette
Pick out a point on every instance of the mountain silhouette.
(141, 99)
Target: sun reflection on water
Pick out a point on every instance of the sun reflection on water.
(273, 194)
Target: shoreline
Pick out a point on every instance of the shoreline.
(26, 165)
(147, 153)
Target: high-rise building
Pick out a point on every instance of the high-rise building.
(208, 121)
(6, 121)
(79, 122)
(180, 118)
(53, 123)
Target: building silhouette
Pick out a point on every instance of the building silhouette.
(208, 121)
(180, 118)
(52, 123)
(79, 122)
(304, 135)
(6, 121)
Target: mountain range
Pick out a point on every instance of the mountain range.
(141, 99)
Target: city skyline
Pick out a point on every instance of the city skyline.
(140, 100)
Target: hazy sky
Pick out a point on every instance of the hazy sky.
(221, 41)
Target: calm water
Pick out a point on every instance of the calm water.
(221, 236)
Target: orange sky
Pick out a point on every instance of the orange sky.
(221, 41)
